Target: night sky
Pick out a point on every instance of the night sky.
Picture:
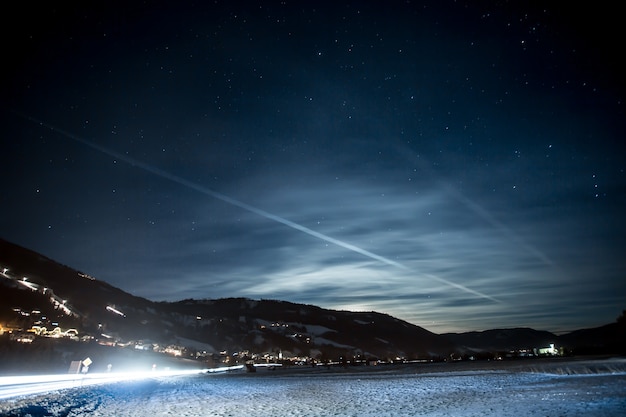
(459, 165)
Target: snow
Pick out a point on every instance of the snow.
(317, 330)
(360, 391)
(324, 341)
(194, 344)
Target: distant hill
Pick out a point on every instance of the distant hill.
(498, 340)
(610, 338)
(301, 329)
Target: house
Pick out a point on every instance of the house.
(547, 351)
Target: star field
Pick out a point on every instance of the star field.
(458, 165)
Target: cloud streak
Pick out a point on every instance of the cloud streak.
(234, 202)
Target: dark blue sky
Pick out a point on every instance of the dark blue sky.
(459, 165)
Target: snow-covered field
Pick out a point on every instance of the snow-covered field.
(391, 391)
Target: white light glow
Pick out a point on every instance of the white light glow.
(116, 311)
(15, 386)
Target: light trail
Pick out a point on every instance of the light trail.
(26, 385)
(207, 191)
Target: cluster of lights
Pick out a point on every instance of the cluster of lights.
(57, 332)
(56, 301)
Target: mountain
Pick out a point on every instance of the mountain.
(67, 298)
(610, 338)
(303, 329)
(38, 293)
(607, 339)
(500, 340)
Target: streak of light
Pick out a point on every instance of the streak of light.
(26, 385)
(116, 311)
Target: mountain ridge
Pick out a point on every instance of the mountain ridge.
(257, 327)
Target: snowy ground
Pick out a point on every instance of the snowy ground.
(562, 390)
